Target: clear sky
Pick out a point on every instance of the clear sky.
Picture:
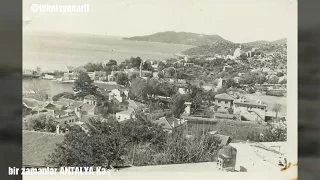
(234, 20)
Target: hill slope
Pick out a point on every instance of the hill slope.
(222, 48)
(180, 38)
(258, 43)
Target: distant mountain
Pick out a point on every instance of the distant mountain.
(280, 41)
(258, 43)
(180, 38)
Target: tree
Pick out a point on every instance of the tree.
(280, 74)
(38, 90)
(161, 66)
(261, 79)
(84, 86)
(135, 62)
(67, 95)
(122, 79)
(105, 143)
(276, 108)
(243, 56)
(177, 104)
(273, 80)
(221, 90)
(215, 108)
(284, 81)
(112, 62)
(139, 89)
(91, 67)
(40, 122)
(170, 72)
(147, 66)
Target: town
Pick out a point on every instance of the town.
(188, 109)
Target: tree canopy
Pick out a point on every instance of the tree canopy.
(84, 86)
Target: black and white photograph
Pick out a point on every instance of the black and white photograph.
(119, 87)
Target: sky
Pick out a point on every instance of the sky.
(235, 20)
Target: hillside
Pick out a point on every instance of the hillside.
(180, 38)
(222, 48)
(258, 43)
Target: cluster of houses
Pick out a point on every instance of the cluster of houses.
(72, 73)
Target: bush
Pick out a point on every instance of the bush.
(67, 95)
(179, 149)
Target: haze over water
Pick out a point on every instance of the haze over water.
(55, 51)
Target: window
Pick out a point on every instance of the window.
(121, 106)
(219, 101)
(126, 107)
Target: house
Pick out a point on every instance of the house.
(68, 69)
(187, 110)
(237, 79)
(250, 110)
(62, 122)
(225, 68)
(37, 146)
(90, 99)
(100, 76)
(112, 77)
(221, 83)
(188, 64)
(119, 94)
(168, 123)
(125, 115)
(129, 104)
(224, 101)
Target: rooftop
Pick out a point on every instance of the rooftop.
(37, 146)
(126, 112)
(249, 102)
(90, 97)
(224, 96)
(164, 123)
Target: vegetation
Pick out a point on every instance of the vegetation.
(67, 95)
(37, 90)
(179, 38)
(84, 86)
(177, 104)
(110, 143)
(272, 134)
(276, 108)
(122, 79)
(40, 122)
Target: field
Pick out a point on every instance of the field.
(270, 101)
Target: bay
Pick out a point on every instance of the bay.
(55, 51)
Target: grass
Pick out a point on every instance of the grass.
(235, 129)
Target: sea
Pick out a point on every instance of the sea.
(55, 50)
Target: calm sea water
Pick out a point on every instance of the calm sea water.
(53, 86)
(54, 51)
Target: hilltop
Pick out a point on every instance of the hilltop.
(228, 48)
(180, 38)
(261, 42)
(222, 48)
